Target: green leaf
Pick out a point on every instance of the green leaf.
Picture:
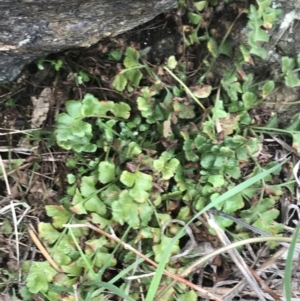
(261, 35)
(78, 208)
(207, 160)
(110, 194)
(60, 258)
(266, 222)
(231, 85)
(120, 82)
(59, 214)
(107, 127)
(140, 196)
(71, 179)
(255, 23)
(263, 5)
(89, 105)
(144, 106)
(160, 248)
(226, 48)
(259, 51)
(107, 172)
(73, 132)
(127, 178)
(40, 274)
(188, 147)
(80, 129)
(287, 64)
(132, 58)
(48, 233)
(122, 110)
(291, 80)
(170, 169)
(95, 244)
(192, 38)
(218, 110)
(209, 129)
(184, 213)
(190, 295)
(74, 269)
(268, 88)
(143, 181)
(263, 215)
(126, 210)
(159, 164)
(200, 5)
(103, 107)
(249, 100)
(216, 180)
(172, 63)
(184, 111)
(100, 259)
(222, 222)
(57, 64)
(115, 55)
(195, 18)
(134, 76)
(246, 54)
(294, 124)
(40, 64)
(73, 108)
(296, 141)
(133, 150)
(212, 47)
(81, 77)
(94, 204)
(78, 232)
(78, 203)
(234, 204)
(97, 219)
(166, 165)
(87, 186)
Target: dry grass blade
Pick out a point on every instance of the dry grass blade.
(16, 221)
(192, 241)
(236, 257)
(295, 172)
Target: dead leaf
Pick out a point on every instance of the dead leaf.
(201, 91)
(41, 107)
(229, 124)
(167, 131)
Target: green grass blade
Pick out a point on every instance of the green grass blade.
(228, 194)
(122, 273)
(82, 255)
(289, 266)
(112, 288)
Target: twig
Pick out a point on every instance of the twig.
(43, 250)
(264, 286)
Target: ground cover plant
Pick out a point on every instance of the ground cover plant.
(143, 145)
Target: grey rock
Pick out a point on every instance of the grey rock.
(30, 29)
